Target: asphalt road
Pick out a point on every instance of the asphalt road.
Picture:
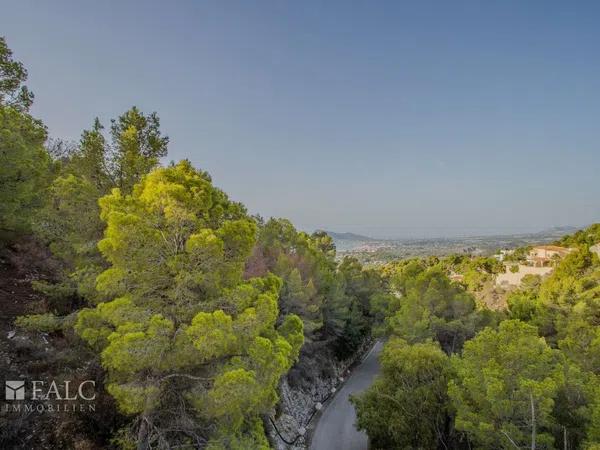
(335, 429)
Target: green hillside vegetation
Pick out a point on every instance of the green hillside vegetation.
(193, 309)
(527, 377)
(588, 236)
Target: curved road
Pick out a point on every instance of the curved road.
(335, 429)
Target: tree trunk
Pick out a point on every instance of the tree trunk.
(533, 430)
(142, 437)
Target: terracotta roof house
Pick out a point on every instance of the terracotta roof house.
(544, 255)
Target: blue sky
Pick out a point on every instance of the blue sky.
(391, 118)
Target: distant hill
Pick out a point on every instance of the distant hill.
(559, 230)
(349, 237)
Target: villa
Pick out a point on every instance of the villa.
(540, 261)
(546, 255)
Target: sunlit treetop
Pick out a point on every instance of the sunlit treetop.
(12, 76)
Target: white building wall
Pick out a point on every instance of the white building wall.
(509, 278)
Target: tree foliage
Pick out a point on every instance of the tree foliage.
(505, 387)
(530, 382)
(184, 325)
(586, 237)
(331, 299)
(432, 307)
(24, 163)
(407, 406)
(13, 92)
(24, 169)
(69, 220)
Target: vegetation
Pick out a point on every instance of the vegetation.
(506, 382)
(411, 394)
(24, 163)
(432, 307)
(194, 312)
(69, 221)
(185, 331)
(527, 378)
(193, 309)
(586, 237)
(331, 298)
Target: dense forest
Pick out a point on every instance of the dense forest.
(193, 316)
(186, 309)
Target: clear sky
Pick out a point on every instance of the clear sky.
(388, 118)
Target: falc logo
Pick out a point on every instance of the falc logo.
(41, 390)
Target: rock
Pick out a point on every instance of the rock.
(11, 334)
(298, 404)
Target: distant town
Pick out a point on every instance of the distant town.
(373, 251)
